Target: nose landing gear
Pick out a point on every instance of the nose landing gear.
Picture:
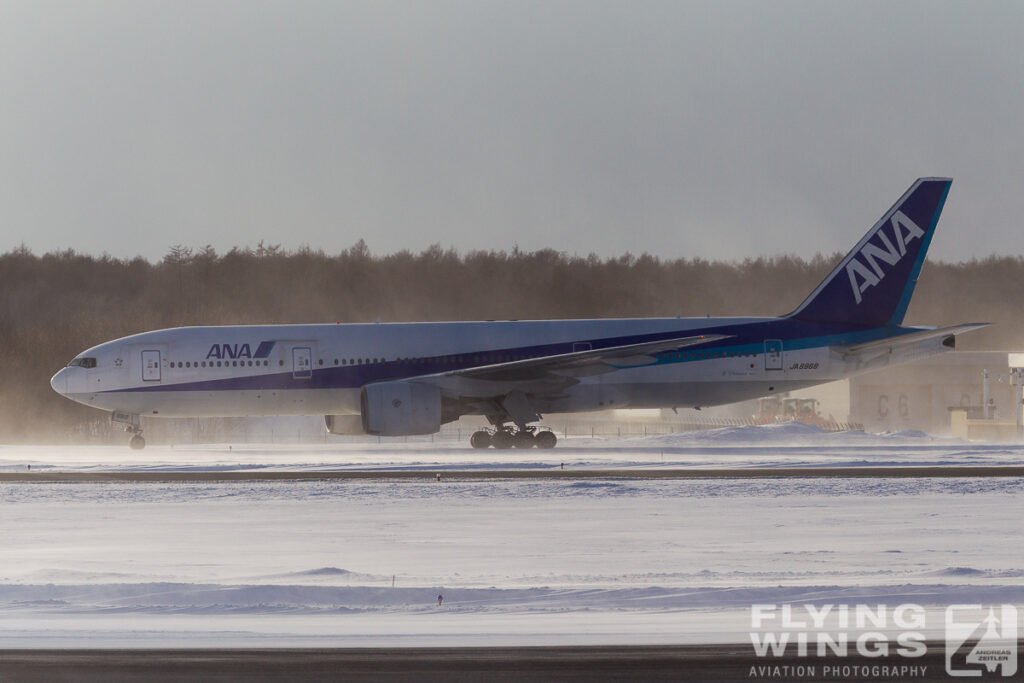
(506, 436)
(132, 424)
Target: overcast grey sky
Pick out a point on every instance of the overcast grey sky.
(713, 129)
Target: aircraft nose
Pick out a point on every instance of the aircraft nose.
(59, 382)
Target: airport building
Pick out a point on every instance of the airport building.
(943, 395)
(934, 393)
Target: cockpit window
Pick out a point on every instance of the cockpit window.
(82, 363)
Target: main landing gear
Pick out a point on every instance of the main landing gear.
(506, 436)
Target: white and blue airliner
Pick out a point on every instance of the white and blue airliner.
(411, 378)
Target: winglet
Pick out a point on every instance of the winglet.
(872, 286)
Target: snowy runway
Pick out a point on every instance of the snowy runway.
(353, 562)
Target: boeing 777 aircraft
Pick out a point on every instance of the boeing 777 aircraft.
(410, 378)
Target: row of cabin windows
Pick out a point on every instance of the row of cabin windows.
(499, 358)
(351, 361)
(258, 363)
(217, 364)
(486, 358)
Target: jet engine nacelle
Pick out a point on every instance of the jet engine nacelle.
(401, 408)
(345, 425)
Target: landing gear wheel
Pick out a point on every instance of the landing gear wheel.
(523, 439)
(480, 439)
(137, 442)
(501, 440)
(545, 440)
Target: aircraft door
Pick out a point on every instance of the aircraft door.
(151, 366)
(772, 354)
(302, 362)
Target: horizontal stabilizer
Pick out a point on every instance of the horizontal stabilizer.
(908, 339)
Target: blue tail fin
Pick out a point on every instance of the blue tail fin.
(873, 284)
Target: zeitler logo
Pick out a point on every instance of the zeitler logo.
(974, 644)
(864, 270)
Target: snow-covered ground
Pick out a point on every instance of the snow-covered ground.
(783, 445)
(361, 562)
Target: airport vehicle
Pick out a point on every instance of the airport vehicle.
(410, 378)
(774, 409)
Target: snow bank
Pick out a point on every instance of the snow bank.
(178, 598)
(792, 433)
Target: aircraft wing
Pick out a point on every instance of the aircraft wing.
(910, 339)
(551, 373)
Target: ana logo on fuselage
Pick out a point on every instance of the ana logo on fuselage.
(863, 276)
(229, 351)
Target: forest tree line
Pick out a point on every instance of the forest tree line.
(58, 304)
